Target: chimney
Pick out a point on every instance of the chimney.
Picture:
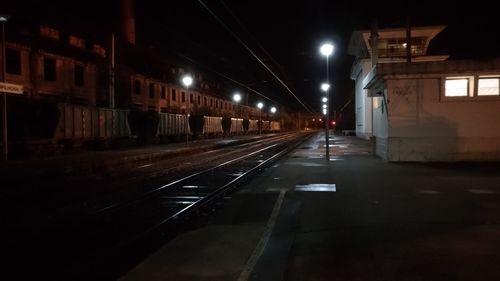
(374, 42)
(128, 20)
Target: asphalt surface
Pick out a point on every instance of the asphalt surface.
(354, 217)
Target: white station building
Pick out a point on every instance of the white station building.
(418, 107)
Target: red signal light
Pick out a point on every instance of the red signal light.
(333, 122)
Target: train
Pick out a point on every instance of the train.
(84, 124)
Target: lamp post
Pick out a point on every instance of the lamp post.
(260, 106)
(3, 20)
(187, 80)
(326, 50)
(237, 99)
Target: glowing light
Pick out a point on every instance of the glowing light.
(325, 86)
(237, 97)
(324, 99)
(273, 109)
(326, 49)
(187, 80)
(260, 105)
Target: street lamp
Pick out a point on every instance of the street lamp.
(273, 110)
(326, 50)
(237, 99)
(325, 87)
(260, 106)
(3, 20)
(187, 80)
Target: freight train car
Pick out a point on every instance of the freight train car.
(212, 126)
(236, 126)
(82, 123)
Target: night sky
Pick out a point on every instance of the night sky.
(285, 35)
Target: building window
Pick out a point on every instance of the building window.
(98, 49)
(151, 90)
(199, 100)
(13, 61)
(191, 99)
(205, 101)
(76, 41)
(163, 92)
(211, 102)
(174, 95)
(49, 69)
(78, 75)
(137, 87)
(183, 96)
(488, 86)
(216, 104)
(48, 32)
(456, 87)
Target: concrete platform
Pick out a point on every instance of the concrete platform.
(352, 217)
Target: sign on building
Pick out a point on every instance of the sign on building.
(11, 88)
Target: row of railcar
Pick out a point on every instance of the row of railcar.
(80, 123)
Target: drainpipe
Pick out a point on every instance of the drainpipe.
(374, 47)
(408, 40)
(374, 42)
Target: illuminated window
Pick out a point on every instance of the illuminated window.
(488, 86)
(458, 87)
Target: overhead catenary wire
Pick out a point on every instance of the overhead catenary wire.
(227, 77)
(253, 54)
(254, 39)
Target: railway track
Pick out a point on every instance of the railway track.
(115, 234)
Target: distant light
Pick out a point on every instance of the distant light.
(333, 122)
(404, 45)
(237, 97)
(326, 49)
(325, 106)
(314, 119)
(324, 99)
(4, 18)
(260, 105)
(187, 80)
(324, 111)
(320, 120)
(273, 109)
(325, 86)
